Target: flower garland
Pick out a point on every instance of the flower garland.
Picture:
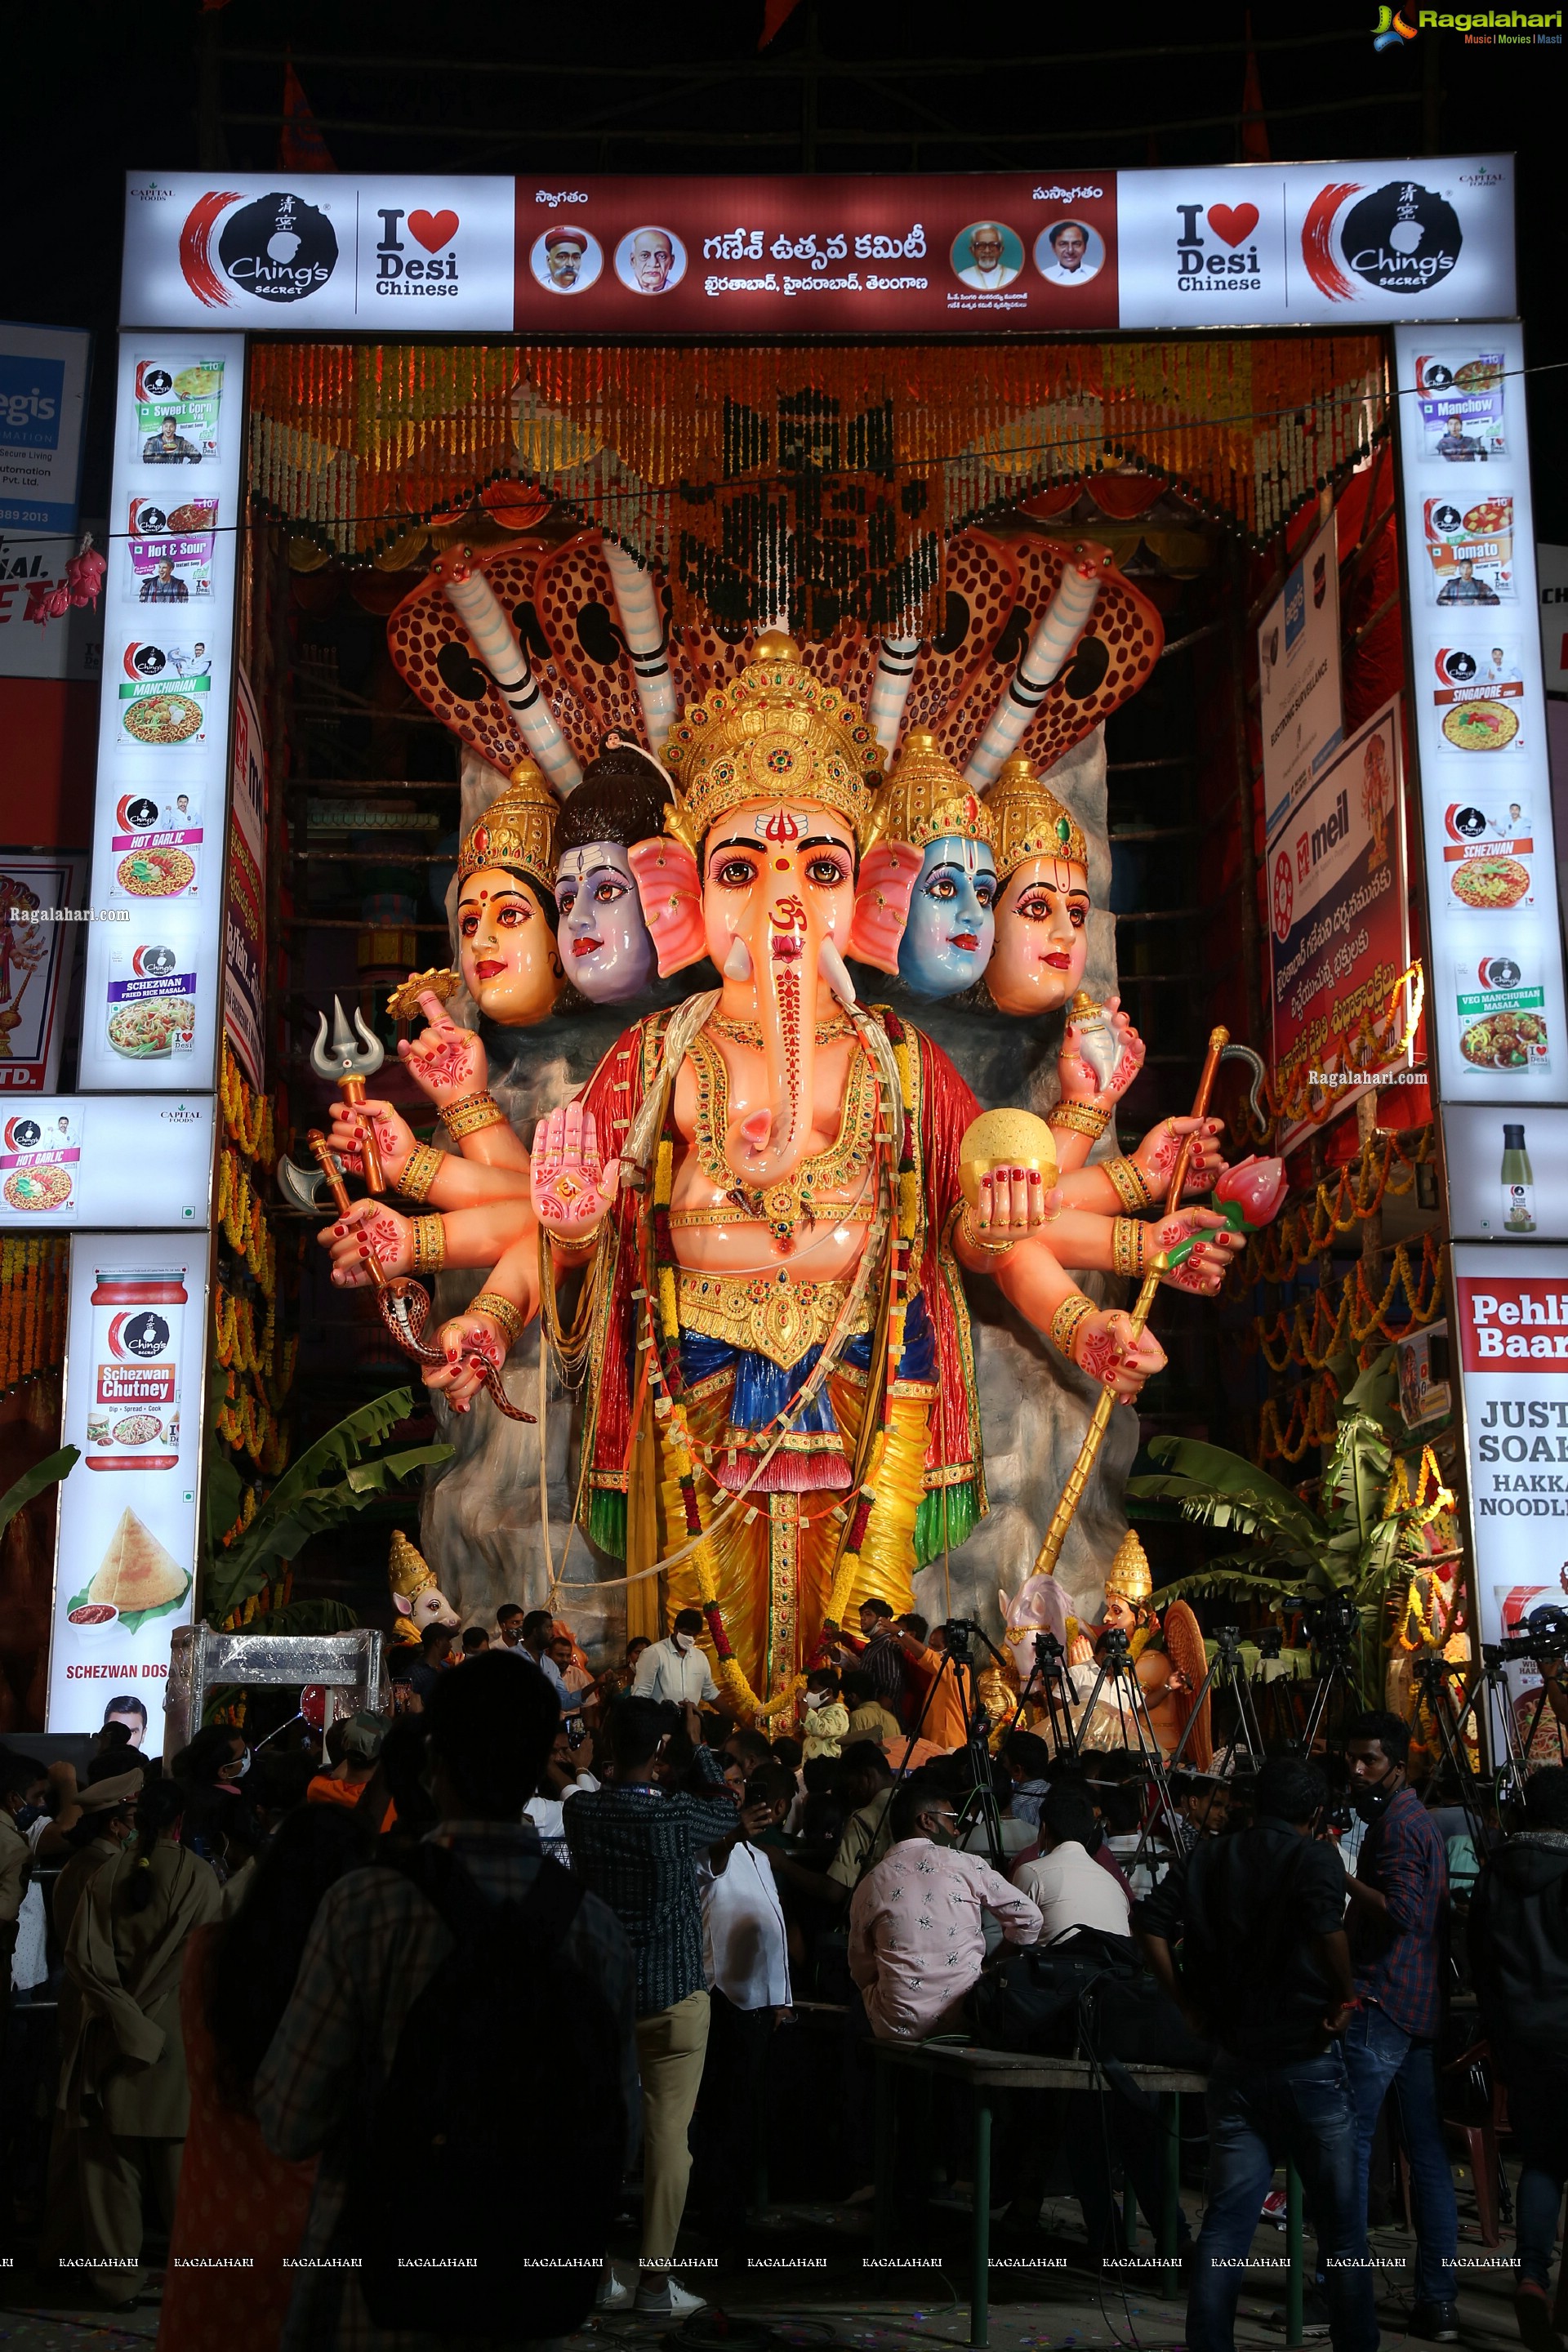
(249, 1122)
(1357, 1320)
(1369, 1044)
(34, 1299)
(244, 1222)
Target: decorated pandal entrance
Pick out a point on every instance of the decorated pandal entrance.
(763, 1143)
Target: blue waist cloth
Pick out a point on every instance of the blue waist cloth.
(763, 1388)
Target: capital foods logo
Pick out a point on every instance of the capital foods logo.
(1402, 238)
(276, 246)
(1393, 30)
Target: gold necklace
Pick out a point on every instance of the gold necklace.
(750, 1032)
(835, 1170)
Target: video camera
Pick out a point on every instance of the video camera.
(1541, 1639)
(1332, 1620)
(959, 1638)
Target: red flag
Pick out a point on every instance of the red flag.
(776, 15)
(1254, 129)
(301, 146)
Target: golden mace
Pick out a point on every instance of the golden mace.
(1050, 1551)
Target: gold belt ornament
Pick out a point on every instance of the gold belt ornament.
(764, 1314)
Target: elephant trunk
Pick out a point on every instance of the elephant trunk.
(766, 1144)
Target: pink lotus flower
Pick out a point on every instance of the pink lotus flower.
(1251, 1194)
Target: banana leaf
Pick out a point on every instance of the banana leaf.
(1227, 1476)
(22, 1490)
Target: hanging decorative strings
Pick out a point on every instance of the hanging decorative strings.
(752, 474)
(35, 1285)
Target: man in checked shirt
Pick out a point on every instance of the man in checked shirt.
(1397, 1907)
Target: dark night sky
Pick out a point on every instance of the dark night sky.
(97, 88)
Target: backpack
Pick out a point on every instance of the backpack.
(1087, 1995)
(458, 2154)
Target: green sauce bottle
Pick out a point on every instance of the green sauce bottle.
(1517, 1184)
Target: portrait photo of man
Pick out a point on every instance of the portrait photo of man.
(566, 260)
(1070, 253)
(983, 257)
(650, 261)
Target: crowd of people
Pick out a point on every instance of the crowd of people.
(304, 1992)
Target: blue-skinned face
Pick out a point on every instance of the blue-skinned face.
(604, 942)
(952, 927)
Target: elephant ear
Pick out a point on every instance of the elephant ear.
(882, 893)
(671, 892)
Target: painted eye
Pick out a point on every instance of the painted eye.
(565, 900)
(607, 893)
(985, 893)
(736, 874)
(468, 925)
(825, 872)
(941, 886)
(1036, 906)
(1078, 916)
(512, 917)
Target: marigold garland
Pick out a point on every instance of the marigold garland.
(34, 1299)
(249, 1122)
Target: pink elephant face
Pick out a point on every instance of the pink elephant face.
(665, 875)
(882, 891)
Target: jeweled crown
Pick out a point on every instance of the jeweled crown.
(1128, 1578)
(925, 798)
(1028, 821)
(517, 830)
(774, 733)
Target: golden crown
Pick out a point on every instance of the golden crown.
(407, 1569)
(1128, 1578)
(925, 798)
(774, 733)
(1028, 821)
(517, 831)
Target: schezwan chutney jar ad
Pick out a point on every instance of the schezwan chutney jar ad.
(138, 1324)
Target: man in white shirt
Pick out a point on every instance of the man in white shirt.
(916, 1934)
(1067, 1883)
(745, 1958)
(988, 272)
(566, 1775)
(677, 1668)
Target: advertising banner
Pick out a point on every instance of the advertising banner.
(245, 922)
(1553, 567)
(1495, 1005)
(942, 253)
(1339, 935)
(125, 1552)
(43, 403)
(1508, 1174)
(151, 1006)
(1511, 1309)
(1302, 708)
(42, 908)
(105, 1161)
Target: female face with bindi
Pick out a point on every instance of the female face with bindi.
(506, 949)
(1042, 936)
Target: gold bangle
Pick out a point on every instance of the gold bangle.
(470, 1117)
(420, 1169)
(978, 1241)
(429, 1245)
(1080, 1118)
(499, 1310)
(578, 1247)
(1074, 1309)
(1128, 1246)
(1134, 1189)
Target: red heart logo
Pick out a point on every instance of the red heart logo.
(435, 229)
(1234, 223)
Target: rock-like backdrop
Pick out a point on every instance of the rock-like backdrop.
(482, 1528)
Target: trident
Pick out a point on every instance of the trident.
(351, 1065)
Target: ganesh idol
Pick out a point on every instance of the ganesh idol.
(761, 1208)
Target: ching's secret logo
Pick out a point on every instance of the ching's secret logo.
(277, 247)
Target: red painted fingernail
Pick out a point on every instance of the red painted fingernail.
(340, 1230)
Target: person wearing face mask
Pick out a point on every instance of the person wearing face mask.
(1397, 1902)
(826, 1722)
(917, 1935)
(676, 1669)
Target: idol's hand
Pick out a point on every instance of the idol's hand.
(394, 1139)
(1014, 1206)
(1203, 1267)
(568, 1183)
(1079, 1083)
(370, 1228)
(1105, 1348)
(466, 1338)
(1156, 1155)
(445, 1061)
(1080, 1651)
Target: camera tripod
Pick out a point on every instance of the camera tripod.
(1435, 1695)
(979, 1804)
(1335, 1674)
(1049, 1685)
(1117, 1666)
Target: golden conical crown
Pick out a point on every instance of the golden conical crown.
(1128, 1578)
(1028, 820)
(517, 831)
(925, 798)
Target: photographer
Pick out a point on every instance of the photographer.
(1265, 1975)
(1397, 1900)
(1519, 1960)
